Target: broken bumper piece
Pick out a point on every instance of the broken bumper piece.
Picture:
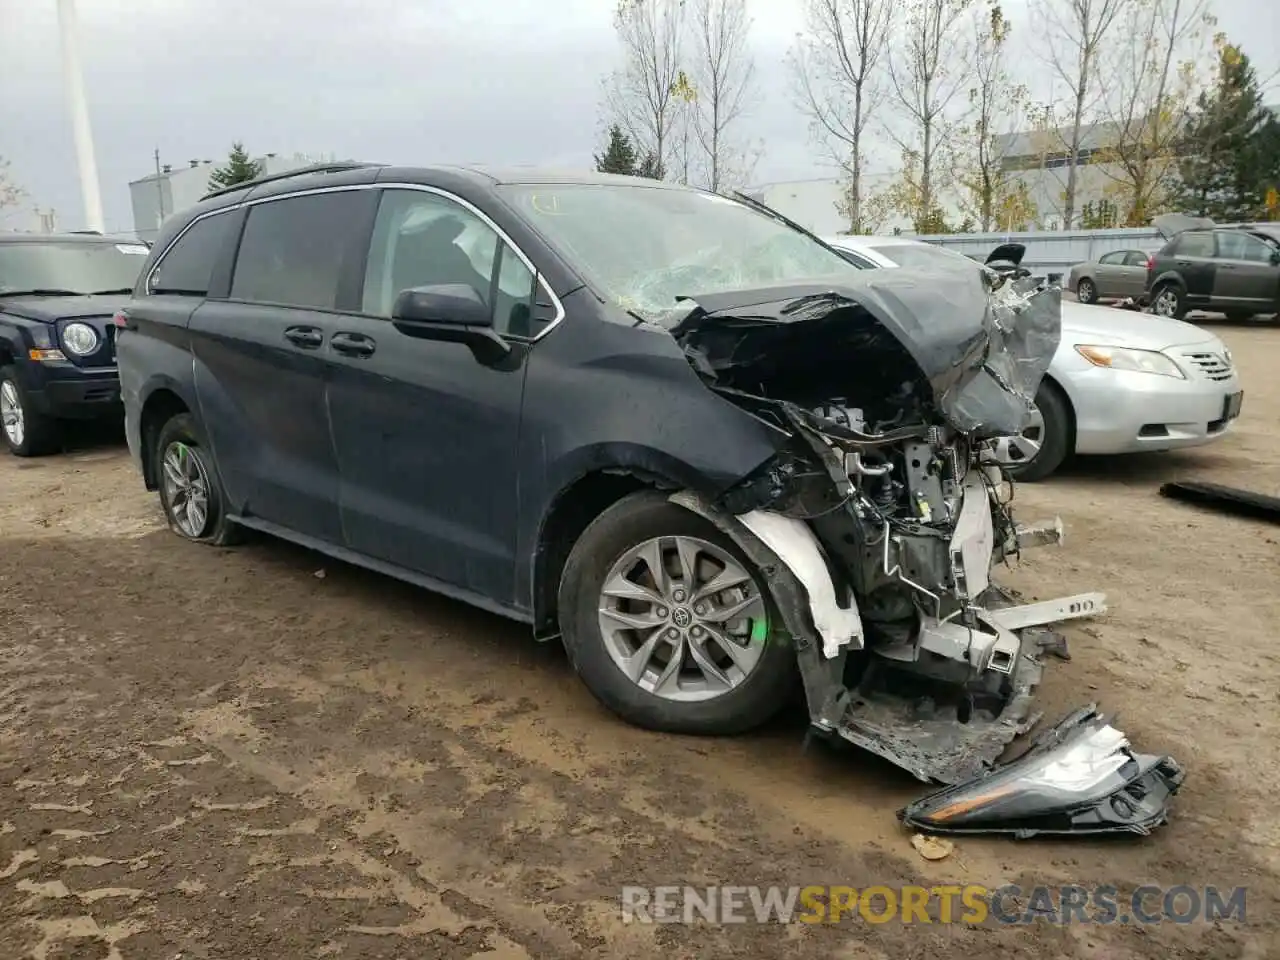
(1081, 777)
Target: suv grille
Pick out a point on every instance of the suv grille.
(1211, 366)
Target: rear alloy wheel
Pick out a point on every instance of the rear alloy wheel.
(1169, 302)
(668, 624)
(26, 432)
(1045, 441)
(190, 492)
(1086, 292)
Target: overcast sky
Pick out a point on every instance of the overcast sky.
(414, 81)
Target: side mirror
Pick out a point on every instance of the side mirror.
(450, 313)
(449, 304)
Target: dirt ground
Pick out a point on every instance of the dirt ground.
(260, 753)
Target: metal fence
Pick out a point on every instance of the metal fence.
(1054, 251)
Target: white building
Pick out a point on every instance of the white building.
(157, 197)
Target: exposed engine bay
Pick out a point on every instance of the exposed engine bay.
(881, 518)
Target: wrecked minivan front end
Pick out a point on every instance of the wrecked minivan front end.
(879, 522)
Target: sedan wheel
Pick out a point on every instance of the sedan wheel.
(682, 619)
(1019, 451)
(1086, 292)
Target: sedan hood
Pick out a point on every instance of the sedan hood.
(52, 309)
(972, 348)
(1105, 326)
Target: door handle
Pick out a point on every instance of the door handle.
(353, 344)
(306, 337)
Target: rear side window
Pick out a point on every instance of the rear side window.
(1194, 245)
(1137, 258)
(293, 251)
(186, 268)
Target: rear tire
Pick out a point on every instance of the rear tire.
(182, 455)
(26, 432)
(1086, 292)
(1169, 300)
(1055, 443)
(604, 548)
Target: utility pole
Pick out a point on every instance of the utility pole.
(159, 193)
(73, 80)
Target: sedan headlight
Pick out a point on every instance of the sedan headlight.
(80, 338)
(1127, 358)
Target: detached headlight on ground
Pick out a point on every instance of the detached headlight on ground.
(1127, 358)
(80, 338)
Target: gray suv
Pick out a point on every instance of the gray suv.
(1225, 269)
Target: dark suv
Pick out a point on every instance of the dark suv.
(1224, 269)
(670, 427)
(57, 355)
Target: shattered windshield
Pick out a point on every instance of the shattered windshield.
(645, 246)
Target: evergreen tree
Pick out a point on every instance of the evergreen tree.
(619, 156)
(651, 167)
(239, 168)
(1231, 157)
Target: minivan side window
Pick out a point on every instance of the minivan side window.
(421, 239)
(1194, 245)
(186, 268)
(293, 250)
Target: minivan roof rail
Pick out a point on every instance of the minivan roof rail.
(297, 172)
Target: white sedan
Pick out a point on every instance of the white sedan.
(1120, 382)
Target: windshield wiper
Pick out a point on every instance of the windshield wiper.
(768, 211)
(42, 292)
(103, 293)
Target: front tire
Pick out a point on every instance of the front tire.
(1046, 442)
(668, 623)
(1086, 292)
(26, 432)
(190, 489)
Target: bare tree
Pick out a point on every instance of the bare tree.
(1075, 33)
(996, 104)
(836, 72)
(10, 193)
(1149, 93)
(723, 75)
(926, 71)
(646, 93)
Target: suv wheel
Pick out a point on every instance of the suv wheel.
(1086, 292)
(26, 432)
(668, 624)
(190, 491)
(1044, 443)
(1169, 301)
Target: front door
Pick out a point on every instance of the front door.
(426, 434)
(1246, 278)
(260, 360)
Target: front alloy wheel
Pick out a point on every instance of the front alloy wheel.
(682, 619)
(186, 489)
(11, 414)
(669, 624)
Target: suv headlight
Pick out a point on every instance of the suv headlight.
(80, 338)
(1127, 358)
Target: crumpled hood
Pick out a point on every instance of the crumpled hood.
(981, 351)
(52, 309)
